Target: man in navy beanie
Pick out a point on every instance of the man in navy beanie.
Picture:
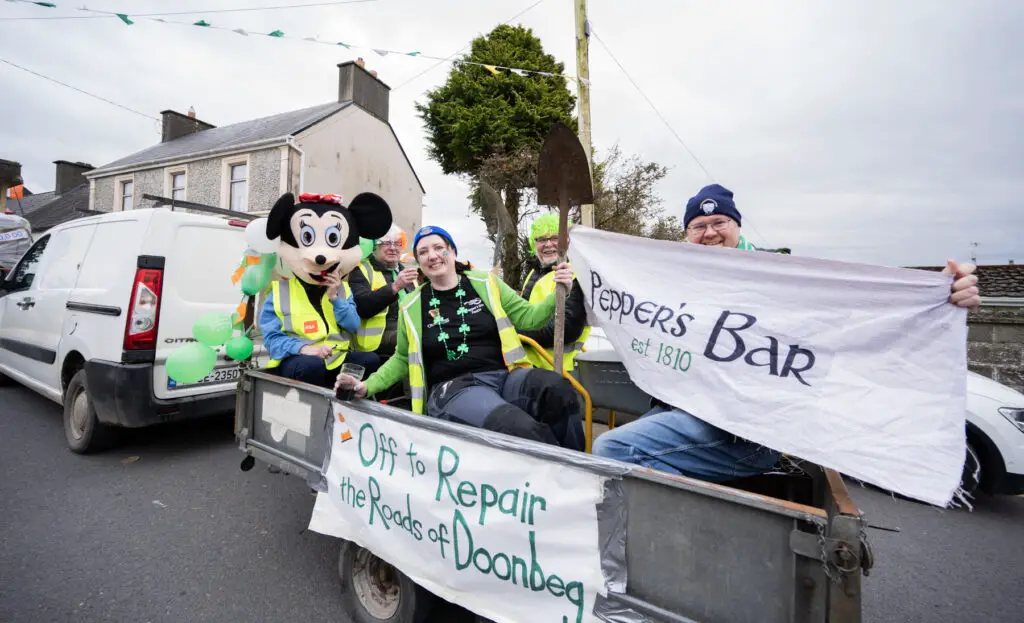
(712, 219)
(672, 440)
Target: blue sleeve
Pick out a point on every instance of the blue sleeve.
(276, 341)
(345, 314)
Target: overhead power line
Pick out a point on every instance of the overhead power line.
(663, 119)
(64, 84)
(460, 51)
(653, 107)
(109, 14)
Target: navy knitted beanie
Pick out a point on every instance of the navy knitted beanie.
(713, 199)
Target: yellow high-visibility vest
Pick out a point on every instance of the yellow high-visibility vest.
(486, 285)
(371, 330)
(300, 320)
(544, 287)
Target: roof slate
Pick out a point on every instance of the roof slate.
(995, 280)
(29, 203)
(67, 207)
(281, 126)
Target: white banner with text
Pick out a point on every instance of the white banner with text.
(855, 367)
(511, 537)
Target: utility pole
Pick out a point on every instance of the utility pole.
(583, 93)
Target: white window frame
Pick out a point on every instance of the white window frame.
(119, 183)
(169, 183)
(225, 192)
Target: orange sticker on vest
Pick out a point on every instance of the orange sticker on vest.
(311, 326)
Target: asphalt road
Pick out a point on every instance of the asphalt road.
(181, 534)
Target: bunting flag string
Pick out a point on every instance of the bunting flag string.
(496, 70)
(48, 5)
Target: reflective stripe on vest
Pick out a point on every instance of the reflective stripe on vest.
(300, 320)
(541, 290)
(371, 330)
(511, 348)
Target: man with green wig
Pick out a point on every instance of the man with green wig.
(539, 283)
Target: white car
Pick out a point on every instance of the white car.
(995, 437)
(91, 311)
(995, 430)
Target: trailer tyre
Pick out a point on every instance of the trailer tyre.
(373, 591)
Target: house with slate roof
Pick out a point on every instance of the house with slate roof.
(995, 333)
(68, 200)
(345, 146)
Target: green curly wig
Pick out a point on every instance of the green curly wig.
(545, 225)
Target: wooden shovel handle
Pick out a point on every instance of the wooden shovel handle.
(561, 291)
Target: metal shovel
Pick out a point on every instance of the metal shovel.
(563, 180)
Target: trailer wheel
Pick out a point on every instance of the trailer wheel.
(373, 591)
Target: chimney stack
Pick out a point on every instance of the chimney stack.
(177, 125)
(363, 88)
(69, 175)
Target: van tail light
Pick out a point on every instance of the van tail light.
(144, 310)
(238, 223)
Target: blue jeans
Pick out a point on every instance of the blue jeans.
(672, 440)
(313, 370)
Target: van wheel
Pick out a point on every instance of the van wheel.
(83, 432)
(374, 591)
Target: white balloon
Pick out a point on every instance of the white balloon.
(256, 237)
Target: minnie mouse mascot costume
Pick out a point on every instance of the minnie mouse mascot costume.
(309, 318)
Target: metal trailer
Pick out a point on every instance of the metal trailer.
(786, 547)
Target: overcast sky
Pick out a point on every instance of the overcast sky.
(863, 131)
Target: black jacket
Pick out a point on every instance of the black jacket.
(575, 309)
(369, 302)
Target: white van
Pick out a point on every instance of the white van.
(92, 310)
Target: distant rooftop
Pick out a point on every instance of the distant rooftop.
(995, 280)
(225, 137)
(29, 203)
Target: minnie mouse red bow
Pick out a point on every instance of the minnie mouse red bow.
(316, 198)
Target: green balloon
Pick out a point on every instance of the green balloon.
(190, 363)
(212, 329)
(366, 246)
(239, 348)
(255, 279)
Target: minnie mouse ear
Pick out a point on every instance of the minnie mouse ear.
(279, 215)
(372, 215)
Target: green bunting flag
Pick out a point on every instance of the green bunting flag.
(495, 70)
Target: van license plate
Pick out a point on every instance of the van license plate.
(219, 375)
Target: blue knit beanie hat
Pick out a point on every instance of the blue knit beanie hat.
(713, 199)
(431, 230)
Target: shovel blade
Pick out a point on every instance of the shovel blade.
(563, 174)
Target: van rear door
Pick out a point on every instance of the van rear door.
(200, 257)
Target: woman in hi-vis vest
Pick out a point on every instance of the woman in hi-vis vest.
(458, 342)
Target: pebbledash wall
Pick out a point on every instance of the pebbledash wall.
(995, 343)
(205, 181)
